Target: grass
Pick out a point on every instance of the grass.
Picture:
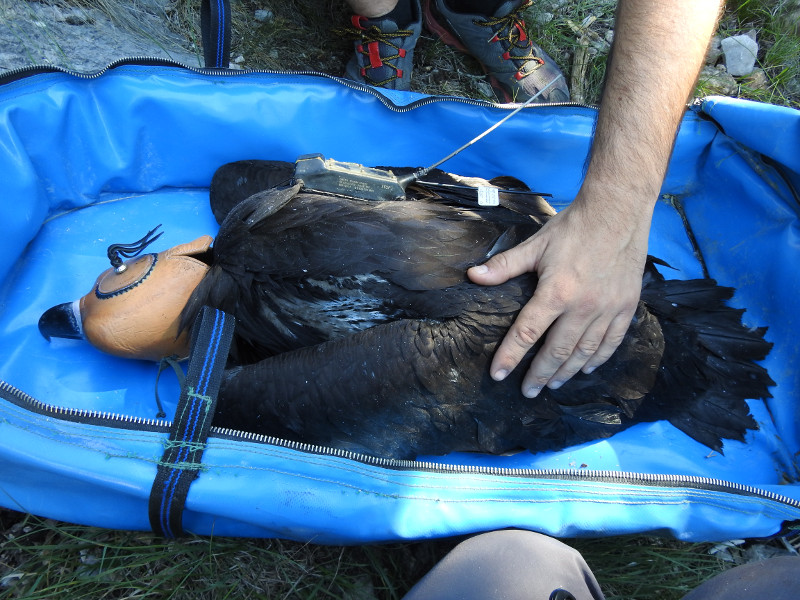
(308, 35)
(40, 558)
(776, 23)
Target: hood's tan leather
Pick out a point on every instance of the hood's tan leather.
(135, 313)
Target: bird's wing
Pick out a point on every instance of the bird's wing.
(234, 182)
(399, 389)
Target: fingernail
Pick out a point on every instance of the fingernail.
(531, 392)
(554, 385)
(589, 370)
(500, 375)
(480, 269)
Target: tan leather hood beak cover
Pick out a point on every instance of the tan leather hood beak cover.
(135, 313)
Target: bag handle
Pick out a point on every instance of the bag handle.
(215, 25)
(182, 459)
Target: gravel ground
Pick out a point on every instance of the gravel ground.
(86, 39)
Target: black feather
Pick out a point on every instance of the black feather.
(358, 329)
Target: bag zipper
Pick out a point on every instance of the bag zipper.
(106, 419)
(31, 70)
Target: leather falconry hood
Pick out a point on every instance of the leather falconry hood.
(134, 307)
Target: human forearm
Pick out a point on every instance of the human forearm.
(590, 256)
(658, 51)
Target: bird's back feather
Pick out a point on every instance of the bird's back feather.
(361, 331)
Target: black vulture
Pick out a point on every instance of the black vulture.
(357, 328)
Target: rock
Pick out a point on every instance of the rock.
(7, 58)
(74, 16)
(788, 17)
(792, 87)
(543, 17)
(757, 553)
(485, 89)
(600, 45)
(715, 81)
(263, 15)
(740, 54)
(714, 51)
(362, 589)
(757, 80)
(85, 39)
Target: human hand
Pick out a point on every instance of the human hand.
(590, 269)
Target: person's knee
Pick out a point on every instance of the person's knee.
(509, 564)
(526, 547)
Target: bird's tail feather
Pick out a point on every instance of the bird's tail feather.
(709, 368)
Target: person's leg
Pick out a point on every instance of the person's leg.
(509, 565)
(386, 33)
(372, 8)
(773, 579)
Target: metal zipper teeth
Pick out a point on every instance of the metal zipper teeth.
(28, 402)
(602, 476)
(31, 70)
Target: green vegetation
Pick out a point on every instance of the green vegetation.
(777, 26)
(309, 35)
(303, 36)
(40, 558)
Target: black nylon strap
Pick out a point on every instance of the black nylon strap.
(215, 24)
(182, 459)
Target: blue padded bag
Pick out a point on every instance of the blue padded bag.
(89, 161)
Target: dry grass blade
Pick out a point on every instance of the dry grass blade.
(40, 558)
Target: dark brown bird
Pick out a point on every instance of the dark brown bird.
(357, 328)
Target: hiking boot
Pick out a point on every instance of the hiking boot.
(517, 68)
(384, 51)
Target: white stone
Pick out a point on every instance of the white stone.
(485, 89)
(263, 15)
(740, 54)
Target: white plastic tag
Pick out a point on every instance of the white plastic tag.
(488, 196)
